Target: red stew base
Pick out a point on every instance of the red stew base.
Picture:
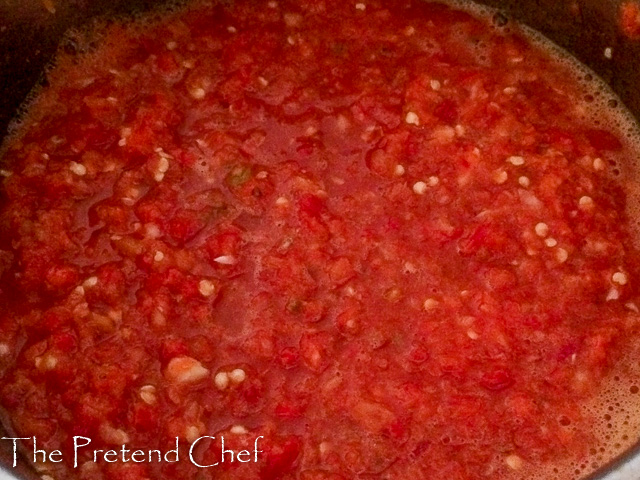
(388, 237)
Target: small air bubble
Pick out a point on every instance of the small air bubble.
(634, 389)
(500, 19)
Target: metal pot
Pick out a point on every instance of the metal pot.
(30, 31)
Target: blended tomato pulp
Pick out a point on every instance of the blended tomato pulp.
(389, 238)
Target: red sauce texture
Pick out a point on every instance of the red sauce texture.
(382, 235)
(630, 19)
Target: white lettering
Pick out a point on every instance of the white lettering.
(75, 448)
(15, 447)
(255, 448)
(191, 453)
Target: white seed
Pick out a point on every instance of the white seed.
(542, 229)
(399, 170)
(237, 376)
(163, 164)
(550, 242)
(206, 288)
(524, 181)
(585, 202)
(433, 181)
(515, 160)
(172, 45)
(430, 304)
(122, 142)
(281, 201)
(419, 188)
(46, 362)
(408, 31)
(191, 433)
(151, 230)
(435, 84)
(159, 256)
(185, 369)
(291, 41)
(409, 267)
(608, 53)
(613, 294)
(460, 130)
(412, 118)
(225, 259)
(361, 6)
(500, 176)
(562, 255)
(514, 462)
(90, 282)
(221, 380)
(4, 349)
(78, 168)
(509, 90)
(272, 4)
(113, 436)
(632, 306)
(472, 335)
(5, 173)
(198, 93)
(263, 81)
(620, 278)
(238, 430)
(231, 29)
(598, 164)
(148, 394)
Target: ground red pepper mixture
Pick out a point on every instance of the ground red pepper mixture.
(387, 236)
